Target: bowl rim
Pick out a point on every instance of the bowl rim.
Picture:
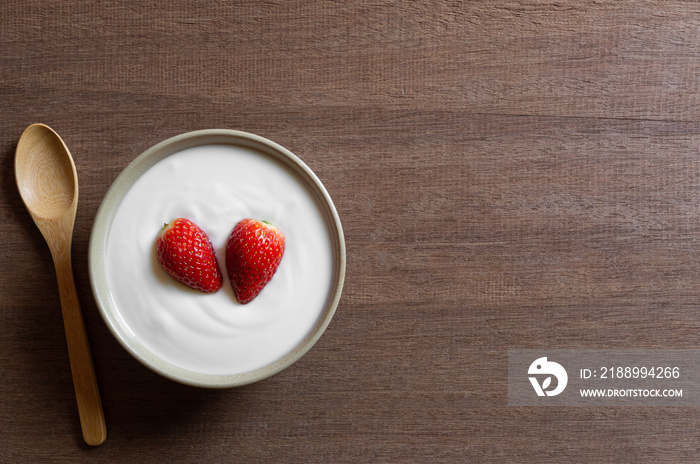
(105, 216)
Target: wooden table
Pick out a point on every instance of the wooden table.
(508, 175)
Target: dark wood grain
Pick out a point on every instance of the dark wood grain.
(508, 175)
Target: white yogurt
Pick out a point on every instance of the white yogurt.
(215, 186)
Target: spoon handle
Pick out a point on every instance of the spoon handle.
(92, 420)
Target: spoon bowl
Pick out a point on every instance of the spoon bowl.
(45, 173)
(46, 177)
(48, 184)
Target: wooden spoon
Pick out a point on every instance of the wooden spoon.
(48, 184)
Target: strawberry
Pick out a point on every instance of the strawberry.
(253, 253)
(186, 253)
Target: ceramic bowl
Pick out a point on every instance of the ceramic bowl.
(143, 331)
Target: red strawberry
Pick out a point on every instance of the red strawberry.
(186, 253)
(253, 253)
